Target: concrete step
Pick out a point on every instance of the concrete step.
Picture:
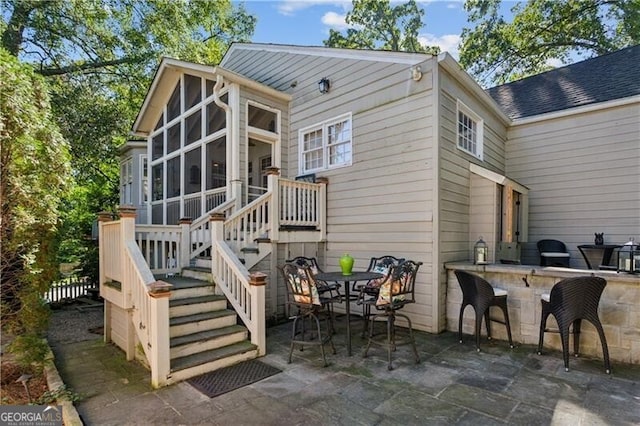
(179, 307)
(199, 273)
(189, 324)
(189, 366)
(207, 340)
(203, 262)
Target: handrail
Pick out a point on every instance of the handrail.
(232, 278)
(299, 203)
(199, 229)
(249, 223)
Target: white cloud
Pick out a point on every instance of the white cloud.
(290, 7)
(335, 21)
(447, 43)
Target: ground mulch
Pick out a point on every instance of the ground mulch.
(14, 393)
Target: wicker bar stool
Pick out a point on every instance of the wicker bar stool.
(570, 301)
(481, 295)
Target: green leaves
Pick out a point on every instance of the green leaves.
(543, 33)
(378, 26)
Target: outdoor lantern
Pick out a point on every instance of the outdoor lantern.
(323, 85)
(629, 257)
(480, 252)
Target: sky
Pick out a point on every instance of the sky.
(307, 22)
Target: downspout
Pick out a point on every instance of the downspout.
(227, 109)
(436, 272)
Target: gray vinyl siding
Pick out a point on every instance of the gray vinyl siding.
(583, 172)
(382, 203)
(456, 233)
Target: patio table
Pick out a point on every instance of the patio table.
(348, 281)
(607, 251)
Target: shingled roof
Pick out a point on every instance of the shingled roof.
(612, 76)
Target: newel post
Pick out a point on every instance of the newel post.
(322, 207)
(159, 293)
(185, 242)
(216, 225)
(103, 217)
(273, 186)
(127, 234)
(258, 282)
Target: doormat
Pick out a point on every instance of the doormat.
(230, 378)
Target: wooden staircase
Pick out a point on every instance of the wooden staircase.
(204, 334)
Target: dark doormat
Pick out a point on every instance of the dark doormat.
(229, 378)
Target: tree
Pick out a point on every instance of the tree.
(378, 26)
(34, 170)
(495, 51)
(99, 57)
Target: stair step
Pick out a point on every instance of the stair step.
(190, 361)
(197, 299)
(189, 324)
(198, 272)
(207, 340)
(179, 307)
(250, 250)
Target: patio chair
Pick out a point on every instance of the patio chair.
(371, 289)
(553, 253)
(329, 290)
(481, 295)
(303, 296)
(570, 301)
(394, 294)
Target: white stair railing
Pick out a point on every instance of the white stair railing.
(200, 234)
(245, 291)
(145, 300)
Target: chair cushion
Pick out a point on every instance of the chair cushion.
(545, 296)
(384, 297)
(499, 291)
(381, 269)
(309, 289)
(554, 254)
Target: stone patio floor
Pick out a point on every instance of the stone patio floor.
(453, 384)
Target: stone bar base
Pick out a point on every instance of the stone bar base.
(619, 308)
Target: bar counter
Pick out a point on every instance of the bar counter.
(619, 308)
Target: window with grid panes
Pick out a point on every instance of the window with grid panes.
(326, 145)
(470, 131)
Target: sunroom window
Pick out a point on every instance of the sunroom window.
(326, 145)
(470, 131)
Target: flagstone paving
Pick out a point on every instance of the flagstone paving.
(453, 384)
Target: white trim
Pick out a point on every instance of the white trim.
(454, 68)
(479, 123)
(497, 178)
(328, 52)
(576, 110)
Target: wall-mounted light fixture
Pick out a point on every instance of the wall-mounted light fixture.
(416, 73)
(324, 85)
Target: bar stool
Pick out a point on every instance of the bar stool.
(477, 292)
(570, 301)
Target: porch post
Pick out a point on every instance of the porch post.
(185, 242)
(216, 224)
(127, 233)
(322, 207)
(273, 186)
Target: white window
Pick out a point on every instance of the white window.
(126, 181)
(144, 185)
(470, 131)
(326, 145)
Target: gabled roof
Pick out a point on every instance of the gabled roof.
(605, 78)
(165, 79)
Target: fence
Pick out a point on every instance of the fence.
(68, 289)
